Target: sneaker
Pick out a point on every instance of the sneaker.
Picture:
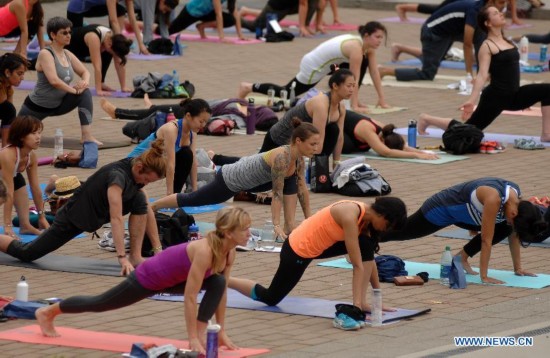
(250, 245)
(528, 144)
(483, 148)
(107, 243)
(491, 147)
(343, 321)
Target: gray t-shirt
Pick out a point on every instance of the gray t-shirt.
(247, 173)
(46, 95)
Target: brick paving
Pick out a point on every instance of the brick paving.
(216, 70)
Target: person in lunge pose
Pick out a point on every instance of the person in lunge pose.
(185, 268)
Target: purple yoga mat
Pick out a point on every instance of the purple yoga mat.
(410, 20)
(29, 85)
(142, 57)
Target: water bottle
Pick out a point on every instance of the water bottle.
(543, 51)
(283, 95)
(22, 290)
(160, 119)
(446, 262)
(193, 232)
(212, 331)
(376, 311)
(171, 116)
(270, 97)
(58, 143)
(268, 236)
(411, 134)
(292, 96)
(307, 169)
(524, 49)
(469, 84)
(259, 33)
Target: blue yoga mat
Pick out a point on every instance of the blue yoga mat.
(498, 137)
(192, 210)
(535, 56)
(42, 188)
(510, 279)
(314, 307)
(454, 65)
(28, 237)
(465, 235)
(443, 158)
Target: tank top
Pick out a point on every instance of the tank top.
(46, 95)
(78, 46)
(18, 160)
(329, 52)
(8, 20)
(504, 69)
(320, 231)
(351, 122)
(146, 143)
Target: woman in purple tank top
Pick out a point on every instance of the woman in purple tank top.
(186, 268)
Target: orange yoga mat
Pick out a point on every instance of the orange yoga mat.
(105, 341)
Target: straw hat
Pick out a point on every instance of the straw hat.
(65, 187)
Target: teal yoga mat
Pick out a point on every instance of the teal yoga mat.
(465, 235)
(304, 306)
(193, 210)
(510, 279)
(28, 237)
(498, 137)
(443, 158)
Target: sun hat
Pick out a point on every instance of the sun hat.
(65, 187)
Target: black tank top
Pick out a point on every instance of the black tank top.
(351, 121)
(504, 69)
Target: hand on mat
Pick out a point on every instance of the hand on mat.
(492, 280)
(382, 104)
(143, 49)
(427, 155)
(196, 346)
(522, 272)
(127, 267)
(8, 231)
(280, 232)
(225, 341)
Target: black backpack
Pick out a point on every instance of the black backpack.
(140, 129)
(462, 138)
(161, 46)
(173, 230)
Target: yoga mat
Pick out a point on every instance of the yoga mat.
(303, 306)
(233, 40)
(74, 143)
(516, 26)
(410, 20)
(498, 137)
(63, 263)
(453, 65)
(42, 189)
(510, 279)
(443, 158)
(29, 85)
(465, 235)
(192, 210)
(439, 82)
(373, 109)
(535, 56)
(105, 341)
(45, 161)
(29, 237)
(152, 57)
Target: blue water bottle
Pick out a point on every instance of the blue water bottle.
(212, 331)
(411, 134)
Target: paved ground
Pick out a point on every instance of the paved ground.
(216, 70)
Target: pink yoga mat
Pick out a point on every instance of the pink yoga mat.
(152, 57)
(410, 20)
(45, 161)
(215, 39)
(105, 341)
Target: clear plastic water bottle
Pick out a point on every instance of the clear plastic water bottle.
(270, 96)
(171, 116)
(58, 143)
(524, 49)
(268, 236)
(22, 290)
(469, 84)
(411, 134)
(193, 232)
(292, 96)
(446, 262)
(376, 312)
(212, 331)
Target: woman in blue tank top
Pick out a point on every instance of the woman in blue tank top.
(490, 207)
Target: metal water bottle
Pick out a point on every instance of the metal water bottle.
(543, 51)
(411, 134)
(212, 331)
(22, 290)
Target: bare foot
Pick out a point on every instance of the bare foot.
(422, 124)
(244, 89)
(401, 12)
(147, 101)
(91, 139)
(395, 52)
(45, 321)
(200, 29)
(466, 264)
(108, 107)
(31, 230)
(211, 154)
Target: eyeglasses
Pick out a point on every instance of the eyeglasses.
(66, 32)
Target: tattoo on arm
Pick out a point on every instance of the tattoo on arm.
(278, 171)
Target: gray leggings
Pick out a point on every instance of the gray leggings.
(70, 102)
(131, 291)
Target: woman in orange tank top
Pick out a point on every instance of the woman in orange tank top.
(344, 227)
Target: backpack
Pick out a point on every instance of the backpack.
(141, 129)
(173, 230)
(462, 138)
(161, 46)
(389, 266)
(218, 126)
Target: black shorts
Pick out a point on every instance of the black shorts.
(18, 181)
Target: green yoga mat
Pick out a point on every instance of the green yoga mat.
(465, 235)
(443, 158)
(510, 279)
(74, 143)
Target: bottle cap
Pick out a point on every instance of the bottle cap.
(193, 227)
(447, 248)
(23, 278)
(412, 122)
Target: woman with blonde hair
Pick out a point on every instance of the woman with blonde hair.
(185, 268)
(113, 191)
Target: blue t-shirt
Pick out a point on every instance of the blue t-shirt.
(200, 8)
(80, 6)
(451, 19)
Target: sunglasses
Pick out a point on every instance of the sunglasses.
(66, 32)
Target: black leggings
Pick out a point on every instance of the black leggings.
(131, 291)
(298, 90)
(260, 20)
(71, 101)
(185, 19)
(418, 226)
(7, 113)
(292, 267)
(492, 102)
(184, 163)
(539, 39)
(95, 11)
(137, 114)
